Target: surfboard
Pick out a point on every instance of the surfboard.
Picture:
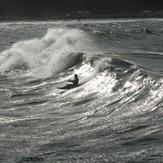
(69, 86)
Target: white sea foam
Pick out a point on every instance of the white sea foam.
(58, 50)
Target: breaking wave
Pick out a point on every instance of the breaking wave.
(57, 51)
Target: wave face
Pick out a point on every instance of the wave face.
(114, 115)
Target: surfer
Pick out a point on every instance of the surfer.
(75, 81)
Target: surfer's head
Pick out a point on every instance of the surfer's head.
(75, 76)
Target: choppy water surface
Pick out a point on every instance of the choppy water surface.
(114, 115)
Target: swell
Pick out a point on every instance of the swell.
(97, 116)
(117, 106)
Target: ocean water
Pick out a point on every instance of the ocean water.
(114, 115)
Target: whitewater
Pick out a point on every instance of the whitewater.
(114, 115)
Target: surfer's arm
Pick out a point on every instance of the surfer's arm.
(70, 80)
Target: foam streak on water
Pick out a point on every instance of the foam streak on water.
(114, 115)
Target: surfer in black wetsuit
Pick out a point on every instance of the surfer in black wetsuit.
(74, 84)
(75, 81)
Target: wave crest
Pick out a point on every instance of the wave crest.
(58, 50)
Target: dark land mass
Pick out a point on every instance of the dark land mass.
(76, 9)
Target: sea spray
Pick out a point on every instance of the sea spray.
(58, 50)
